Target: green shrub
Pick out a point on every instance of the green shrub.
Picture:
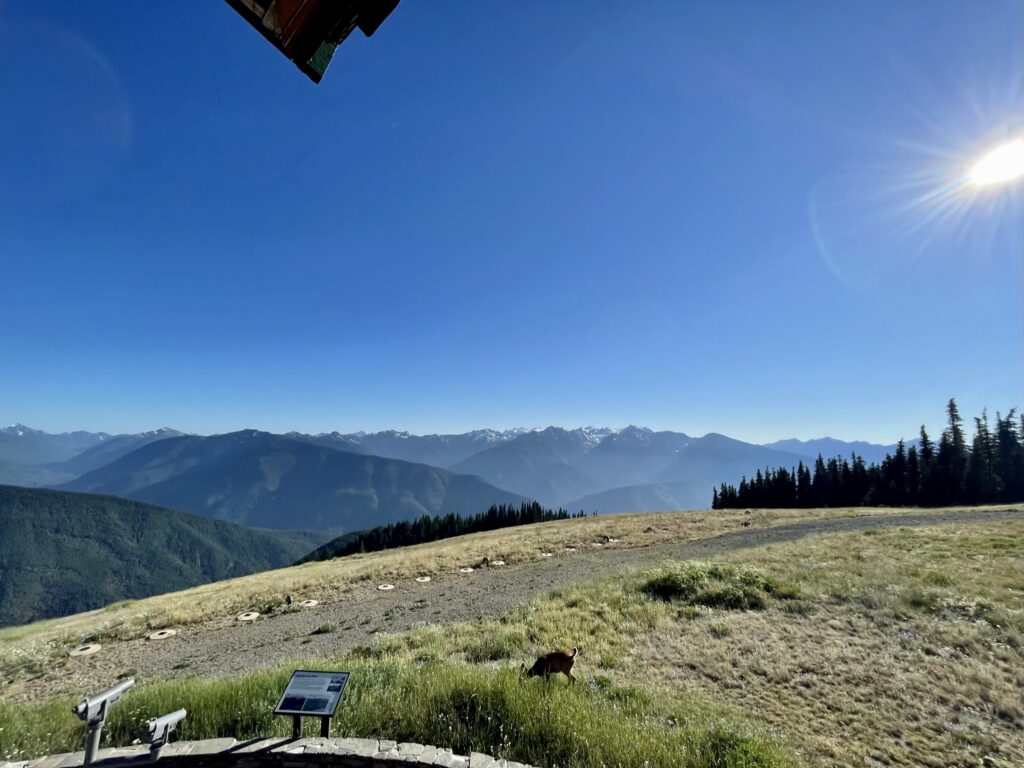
(497, 645)
(716, 585)
(720, 630)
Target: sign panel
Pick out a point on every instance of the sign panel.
(314, 694)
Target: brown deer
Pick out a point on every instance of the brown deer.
(552, 663)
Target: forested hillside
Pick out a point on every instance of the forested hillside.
(62, 552)
(429, 528)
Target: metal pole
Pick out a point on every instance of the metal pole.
(325, 727)
(296, 727)
(92, 743)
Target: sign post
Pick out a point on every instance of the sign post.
(312, 694)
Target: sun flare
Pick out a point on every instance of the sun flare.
(1004, 163)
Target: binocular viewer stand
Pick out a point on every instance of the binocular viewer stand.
(93, 711)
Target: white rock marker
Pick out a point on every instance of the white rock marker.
(162, 634)
(422, 579)
(385, 587)
(88, 649)
(497, 562)
(466, 570)
(570, 549)
(309, 603)
(545, 554)
(248, 616)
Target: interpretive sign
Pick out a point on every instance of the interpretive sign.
(312, 694)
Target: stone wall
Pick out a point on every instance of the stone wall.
(276, 753)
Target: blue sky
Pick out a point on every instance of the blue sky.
(734, 217)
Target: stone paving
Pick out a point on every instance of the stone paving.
(277, 753)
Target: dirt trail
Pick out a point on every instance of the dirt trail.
(225, 646)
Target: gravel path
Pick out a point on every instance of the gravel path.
(225, 647)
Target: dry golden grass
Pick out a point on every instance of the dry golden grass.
(903, 647)
(37, 645)
(329, 579)
(912, 654)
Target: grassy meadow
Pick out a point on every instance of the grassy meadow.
(902, 646)
(329, 580)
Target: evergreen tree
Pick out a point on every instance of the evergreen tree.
(819, 484)
(981, 482)
(956, 430)
(429, 528)
(913, 477)
(950, 460)
(1009, 443)
(927, 468)
(991, 469)
(803, 486)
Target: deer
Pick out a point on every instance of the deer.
(552, 663)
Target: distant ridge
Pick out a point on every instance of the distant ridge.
(687, 480)
(31, 457)
(829, 447)
(259, 479)
(632, 468)
(573, 467)
(24, 445)
(110, 450)
(436, 450)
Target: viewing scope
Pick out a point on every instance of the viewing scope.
(94, 710)
(157, 732)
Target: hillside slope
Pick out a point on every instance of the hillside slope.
(63, 553)
(632, 456)
(713, 459)
(111, 449)
(650, 497)
(437, 450)
(662, 470)
(258, 479)
(539, 464)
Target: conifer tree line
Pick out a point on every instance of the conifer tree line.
(987, 470)
(429, 528)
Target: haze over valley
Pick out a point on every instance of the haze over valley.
(338, 482)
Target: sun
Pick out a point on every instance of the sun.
(1003, 164)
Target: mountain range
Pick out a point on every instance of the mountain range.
(829, 447)
(32, 457)
(24, 445)
(435, 450)
(340, 482)
(258, 479)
